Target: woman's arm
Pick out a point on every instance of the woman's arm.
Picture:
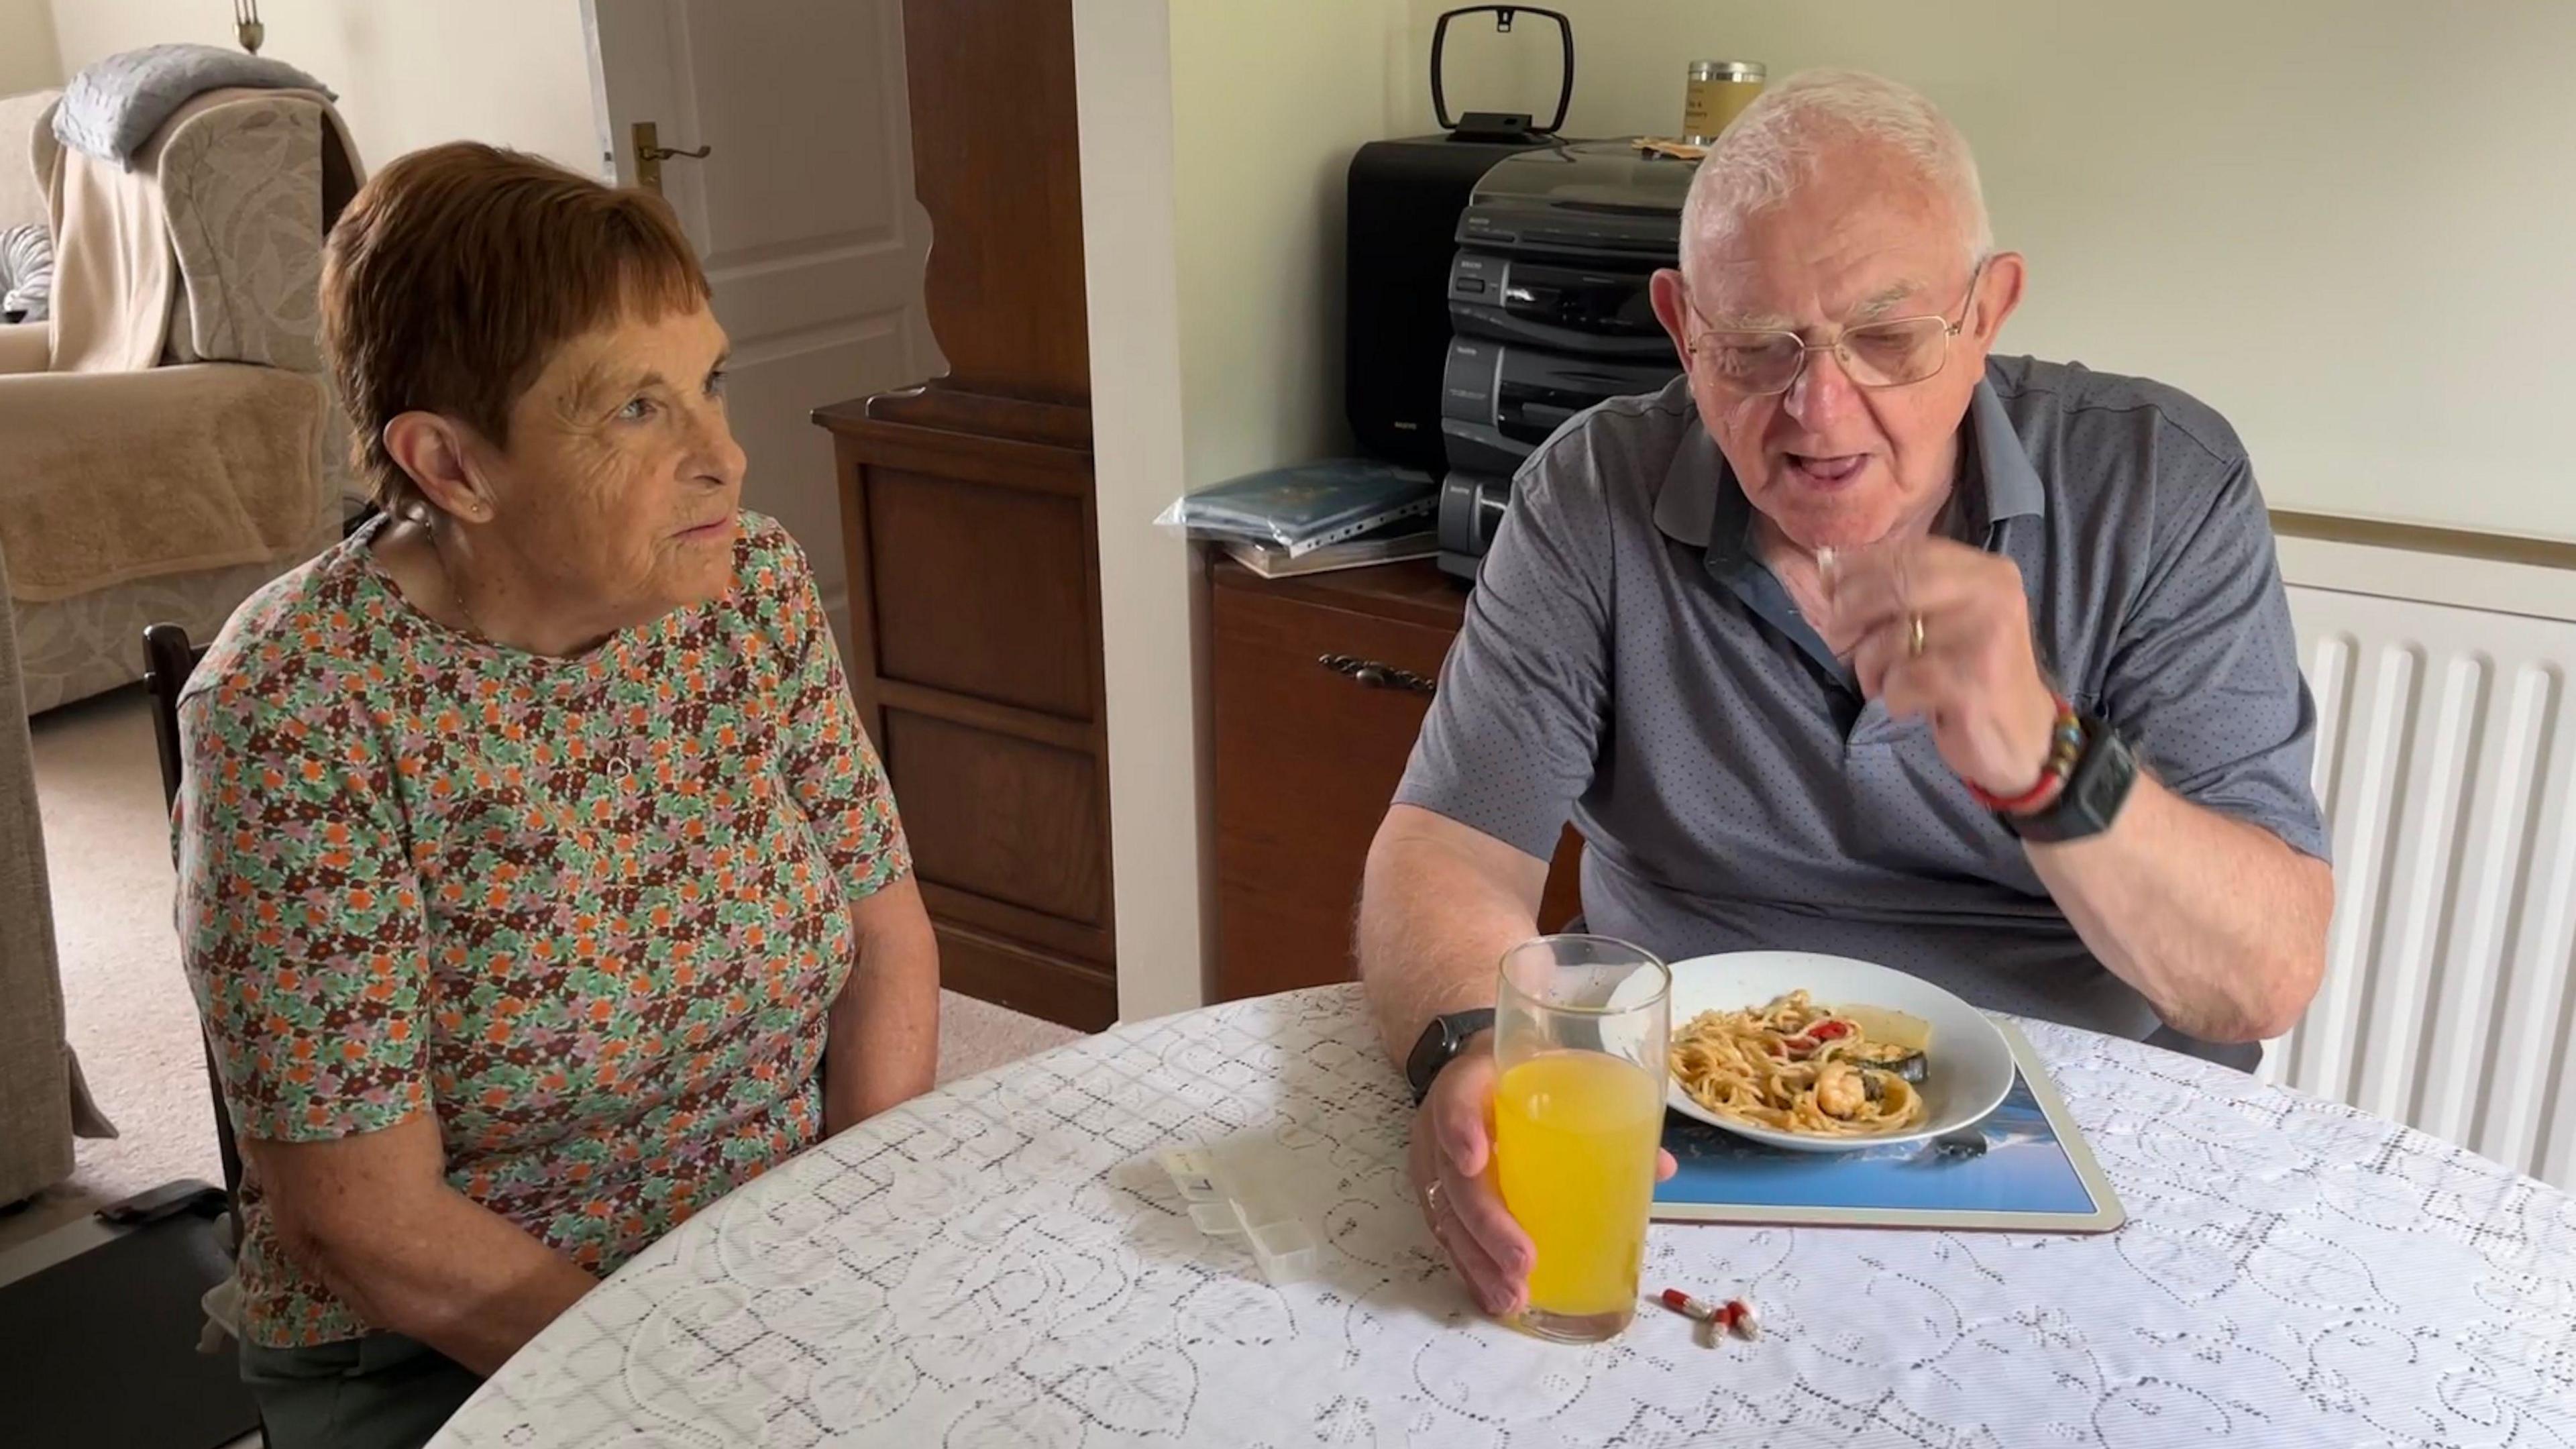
(882, 1035)
(372, 1216)
(883, 1046)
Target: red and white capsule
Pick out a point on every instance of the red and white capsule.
(1734, 1315)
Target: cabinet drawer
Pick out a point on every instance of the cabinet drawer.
(1307, 759)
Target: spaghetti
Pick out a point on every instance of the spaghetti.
(1794, 1066)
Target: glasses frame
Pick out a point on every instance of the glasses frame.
(1950, 331)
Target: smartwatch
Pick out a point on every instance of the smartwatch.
(2095, 789)
(1440, 1044)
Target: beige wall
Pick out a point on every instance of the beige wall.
(1269, 99)
(1215, 134)
(27, 58)
(2342, 222)
(409, 74)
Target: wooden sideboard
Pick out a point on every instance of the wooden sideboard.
(967, 505)
(1318, 686)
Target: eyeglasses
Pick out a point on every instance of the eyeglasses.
(1892, 353)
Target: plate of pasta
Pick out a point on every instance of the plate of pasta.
(1827, 1054)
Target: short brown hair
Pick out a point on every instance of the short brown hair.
(458, 270)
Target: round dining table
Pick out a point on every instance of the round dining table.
(1005, 1262)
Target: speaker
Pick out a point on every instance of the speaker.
(1405, 200)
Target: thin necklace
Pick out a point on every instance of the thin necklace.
(446, 575)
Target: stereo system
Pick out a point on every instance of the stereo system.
(1498, 288)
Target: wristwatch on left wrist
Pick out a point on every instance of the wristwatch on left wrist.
(2097, 785)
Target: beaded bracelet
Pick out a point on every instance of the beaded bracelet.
(2065, 747)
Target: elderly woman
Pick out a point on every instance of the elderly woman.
(538, 884)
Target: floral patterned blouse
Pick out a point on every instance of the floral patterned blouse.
(591, 912)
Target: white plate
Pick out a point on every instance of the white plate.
(1969, 1065)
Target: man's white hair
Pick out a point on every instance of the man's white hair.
(1777, 144)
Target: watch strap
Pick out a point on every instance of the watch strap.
(2097, 785)
(1440, 1043)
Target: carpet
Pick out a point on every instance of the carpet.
(130, 1015)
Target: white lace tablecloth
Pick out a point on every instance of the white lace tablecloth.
(1004, 1263)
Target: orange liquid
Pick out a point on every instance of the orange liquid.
(1575, 1139)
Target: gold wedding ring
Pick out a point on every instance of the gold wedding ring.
(1914, 636)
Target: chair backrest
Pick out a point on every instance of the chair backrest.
(168, 660)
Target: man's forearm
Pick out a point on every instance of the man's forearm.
(1436, 915)
(2220, 925)
(883, 1042)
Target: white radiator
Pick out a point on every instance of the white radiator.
(2445, 760)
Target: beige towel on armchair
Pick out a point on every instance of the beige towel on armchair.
(114, 276)
(113, 477)
(113, 273)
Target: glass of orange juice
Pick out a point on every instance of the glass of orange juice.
(1580, 1026)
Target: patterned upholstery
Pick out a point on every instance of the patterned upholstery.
(73, 648)
(243, 184)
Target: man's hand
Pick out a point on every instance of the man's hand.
(1453, 1175)
(1970, 671)
(1452, 1159)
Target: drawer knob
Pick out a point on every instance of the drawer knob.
(1376, 675)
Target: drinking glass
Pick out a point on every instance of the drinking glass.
(1580, 1027)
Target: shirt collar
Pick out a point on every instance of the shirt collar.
(1700, 504)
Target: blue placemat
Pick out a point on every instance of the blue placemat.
(2035, 1174)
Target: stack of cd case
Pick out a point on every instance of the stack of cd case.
(1294, 511)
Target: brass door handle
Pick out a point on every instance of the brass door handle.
(650, 154)
(1376, 675)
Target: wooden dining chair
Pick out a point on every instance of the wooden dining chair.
(168, 660)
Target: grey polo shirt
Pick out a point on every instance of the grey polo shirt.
(1628, 659)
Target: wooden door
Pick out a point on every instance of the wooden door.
(802, 211)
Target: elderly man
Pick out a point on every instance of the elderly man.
(1857, 639)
